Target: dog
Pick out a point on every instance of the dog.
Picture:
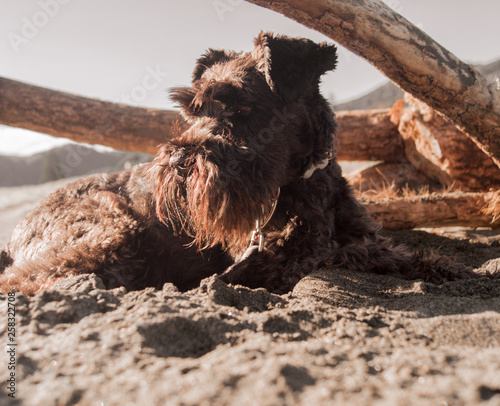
(249, 189)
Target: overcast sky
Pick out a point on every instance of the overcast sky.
(106, 48)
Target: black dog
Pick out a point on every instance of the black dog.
(250, 190)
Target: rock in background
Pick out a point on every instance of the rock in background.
(68, 161)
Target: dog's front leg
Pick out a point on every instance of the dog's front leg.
(238, 271)
(278, 267)
(253, 270)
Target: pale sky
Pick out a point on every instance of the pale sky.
(133, 51)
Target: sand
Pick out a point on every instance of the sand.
(340, 338)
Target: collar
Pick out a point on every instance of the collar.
(257, 237)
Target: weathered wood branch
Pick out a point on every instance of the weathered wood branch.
(438, 149)
(368, 135)
(82, 119)
(437, 210)
(410, 58)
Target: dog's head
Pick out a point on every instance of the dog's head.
(255, 121)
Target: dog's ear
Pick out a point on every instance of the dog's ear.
(292, 66)
(183, 96)
(211, 57)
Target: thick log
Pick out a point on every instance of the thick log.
(82, 119)
(368, 135)
(437, 148)
(437, 210)
(410, 58)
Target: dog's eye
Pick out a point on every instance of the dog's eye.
(243, 110)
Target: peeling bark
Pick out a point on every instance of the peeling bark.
(410, 58)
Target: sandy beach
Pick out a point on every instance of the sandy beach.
(340, 337)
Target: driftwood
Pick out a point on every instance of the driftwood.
(410, 58)
(438, 149)
(368, 135)
(435, 154)
(436, 210)
(82, 119)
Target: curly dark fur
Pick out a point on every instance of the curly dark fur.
(256, 123)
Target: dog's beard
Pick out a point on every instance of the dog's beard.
(205, 205)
